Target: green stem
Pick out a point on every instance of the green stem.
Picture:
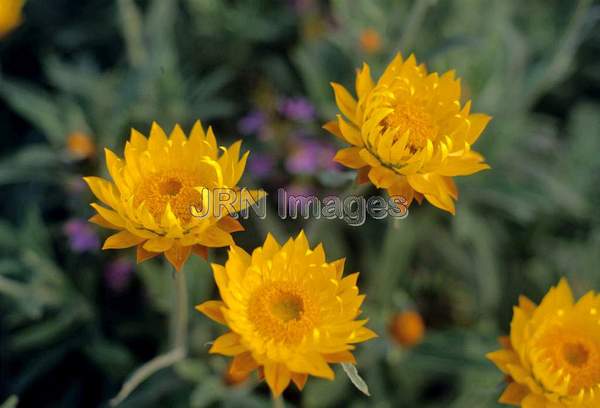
(278, 402)
(181, 316)
(145, 371)
(177, 353)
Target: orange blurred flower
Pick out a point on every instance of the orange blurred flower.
(370, 41)
(80, 145)
(407, 328)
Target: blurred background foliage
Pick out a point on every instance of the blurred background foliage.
(76, 76)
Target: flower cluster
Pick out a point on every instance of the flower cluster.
(290, 313)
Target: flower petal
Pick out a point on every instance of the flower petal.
(212, 309)
(278, 378)
(122, 239)
(228, 345)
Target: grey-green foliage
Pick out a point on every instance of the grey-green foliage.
(519, 227)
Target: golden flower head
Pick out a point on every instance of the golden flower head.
(289, 312)
(370, 41)
(10, 15)
(407, 328)
(157, 187)
(409, 133)
(80, 145)
(552, 357)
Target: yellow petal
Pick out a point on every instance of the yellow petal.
(478, 123)
(215, 237)
(228, 345)
(143, 255)
(340, 357)
(364, 82)
(514, 394)
(212, 309)
(278, 378)
(362, 334)
(99, 220)
(502, 358)
(230, 224)
(243, 364)
(159, 244)
(201, 251)
(177, 255)
(122, 239)
(345, 102)
(313, 364)
(333, 127)
(300, 380)
(349, 132)
(350, 157)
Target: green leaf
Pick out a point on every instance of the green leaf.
(37, 106)
(34, 162)
(11, 402)
(359, 383)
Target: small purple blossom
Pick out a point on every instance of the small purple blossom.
(260, 164)
(311, 156)
(300, 6)
(252, 123)
(118, 273)
(82, 236)
(299, 109)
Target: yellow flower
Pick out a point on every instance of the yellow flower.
(289, 312)
(10, 15)
(409, 133)
(157, 187)
(552, 358)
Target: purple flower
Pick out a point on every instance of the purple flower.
(300, 5)
(299, 109)
(252, 123)
(260, 164)
(311, 156)
(118, 273)
(82, 236)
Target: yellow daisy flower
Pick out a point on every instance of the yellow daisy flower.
(157, 187)
(10, 15)
(289, 312)
(409, 133)
(552, 357)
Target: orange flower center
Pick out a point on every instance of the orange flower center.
(173, 187)
(573, 353)
(282, 311)
(412, 118)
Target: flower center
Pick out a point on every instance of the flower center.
(282, 311)
(575, 354)
(173, 187)
(170, 187)
(412, 118)
(289, 307)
